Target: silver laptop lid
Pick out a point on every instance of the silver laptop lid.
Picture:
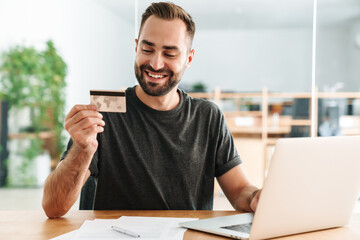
(312, 184)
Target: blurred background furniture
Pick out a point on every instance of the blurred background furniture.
(258, 119)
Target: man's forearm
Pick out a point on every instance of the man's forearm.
(63, 186)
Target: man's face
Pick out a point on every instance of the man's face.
(162, 54)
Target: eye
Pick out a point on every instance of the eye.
(146, 51)
(169, 55)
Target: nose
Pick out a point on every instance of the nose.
(157, 62)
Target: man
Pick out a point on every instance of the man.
(165, 151)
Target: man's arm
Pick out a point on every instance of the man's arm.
(242, 195)
(64, 184)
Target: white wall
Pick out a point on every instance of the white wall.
(339, 56)
(99, 49)
(246, 60)
(353, 49)
(96, 44)
(279, 58)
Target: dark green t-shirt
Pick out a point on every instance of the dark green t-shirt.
(162, 160)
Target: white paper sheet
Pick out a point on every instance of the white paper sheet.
(149, 228)
(66, 236)
(156, 227)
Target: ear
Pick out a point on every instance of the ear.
(190, 58)
(136, 44)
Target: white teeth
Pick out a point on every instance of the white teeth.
(155, 76)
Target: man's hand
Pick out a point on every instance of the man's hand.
(237, 188)
(254, 200)
(63, 185)
(83, 123)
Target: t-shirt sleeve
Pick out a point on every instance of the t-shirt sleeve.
(94, 162)
(226, 155)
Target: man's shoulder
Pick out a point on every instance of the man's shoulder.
(206, 104)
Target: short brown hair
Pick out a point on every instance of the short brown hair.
(169, 10)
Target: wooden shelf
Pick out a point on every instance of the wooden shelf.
(339, 95)
(242, 113)
(263, 125)
(259, 130)
(42, 135)
(268, 127)
(289, 95)
(240, 95)
(202, 95)
(300, 122)
(277, 95)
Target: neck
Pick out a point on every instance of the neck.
(162, 103)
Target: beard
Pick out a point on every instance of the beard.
(155, 89)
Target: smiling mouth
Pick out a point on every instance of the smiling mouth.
(156, 76)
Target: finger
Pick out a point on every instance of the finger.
(255, 201)
(258, 194)
(86, 123)
(94, 130)
(86, 136)
(91, 132)
(90, 122)
(78, 108)
(80, 116)
(253, 204)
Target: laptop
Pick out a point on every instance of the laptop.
(312, 184)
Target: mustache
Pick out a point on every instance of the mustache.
(162, 70)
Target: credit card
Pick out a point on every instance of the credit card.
(108, 101)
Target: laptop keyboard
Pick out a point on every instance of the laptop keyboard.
(245, 228)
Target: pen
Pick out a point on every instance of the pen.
(124, 231)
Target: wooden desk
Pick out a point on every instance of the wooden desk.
(33, 225)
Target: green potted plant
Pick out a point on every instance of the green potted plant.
(198, 87)
(34, 81)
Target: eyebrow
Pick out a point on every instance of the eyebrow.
(147, 43)
(153, 44)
